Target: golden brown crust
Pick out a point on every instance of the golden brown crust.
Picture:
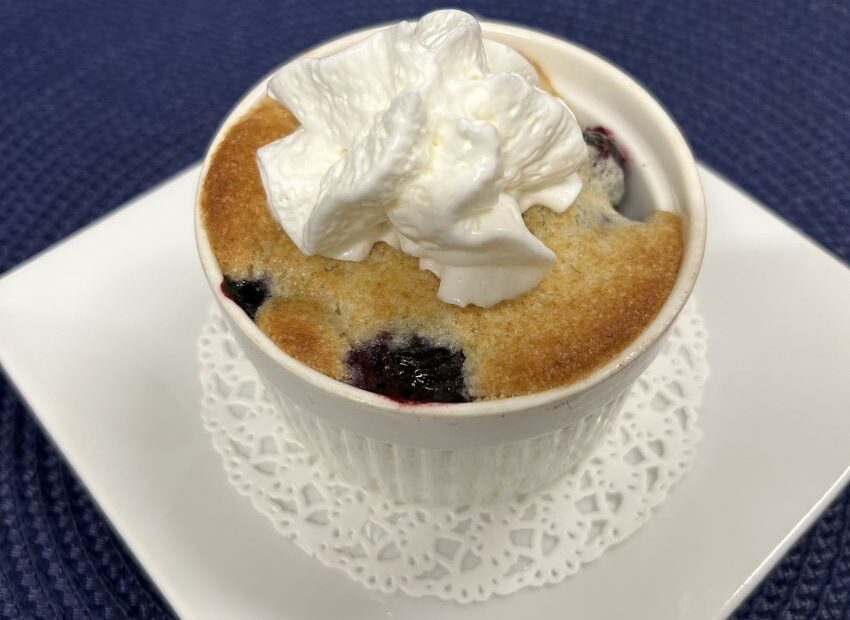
(305, 330)
(607, 284)
(610, 279)
(543, 79)
(233, 201)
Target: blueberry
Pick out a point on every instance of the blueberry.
(247, 294)
(604, 144)
(409, 368)
(607, 163)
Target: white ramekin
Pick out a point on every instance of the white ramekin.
(490, 450)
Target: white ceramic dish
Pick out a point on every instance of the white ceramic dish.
(111, 372)
(466, 452)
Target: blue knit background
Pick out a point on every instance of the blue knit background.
(101, 100)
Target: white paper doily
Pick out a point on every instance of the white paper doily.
(462, 553)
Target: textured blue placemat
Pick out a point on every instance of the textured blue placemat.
(99, 101)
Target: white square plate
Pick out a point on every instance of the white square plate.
(99, 334)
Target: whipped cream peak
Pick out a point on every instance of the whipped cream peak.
(430, 139)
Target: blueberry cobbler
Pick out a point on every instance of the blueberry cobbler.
(436, 229)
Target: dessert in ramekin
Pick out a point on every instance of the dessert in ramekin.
(417, 360)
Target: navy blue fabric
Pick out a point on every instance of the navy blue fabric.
(101, 100)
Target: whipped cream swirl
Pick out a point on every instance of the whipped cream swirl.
(432, 140)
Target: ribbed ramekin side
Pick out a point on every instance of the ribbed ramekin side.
(408, 473)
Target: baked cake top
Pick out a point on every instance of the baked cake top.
(610, 278)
